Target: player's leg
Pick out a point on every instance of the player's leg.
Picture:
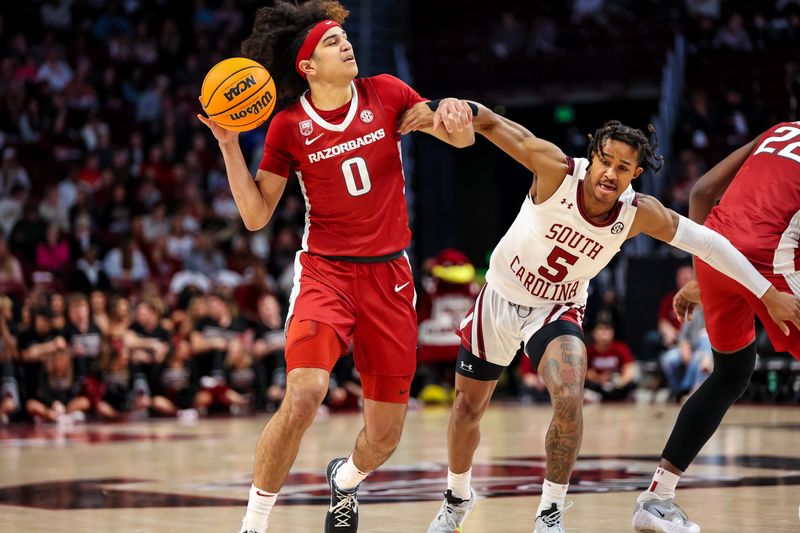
(563, 369)
(319, 330)
(385, 403)
(311, 350)
(280, 440)
(463, 431)
(702, 413)
(476, 380)
(487, 349)
(729, 321)
(384, 353)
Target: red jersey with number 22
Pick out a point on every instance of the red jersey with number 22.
(349, 166)
(760, 211)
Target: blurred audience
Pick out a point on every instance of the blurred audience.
(128, 285)
(690, 361)
(611, 369)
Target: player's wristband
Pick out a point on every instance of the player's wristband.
(434, 105)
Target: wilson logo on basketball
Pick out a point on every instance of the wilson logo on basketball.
(254, 109)
(239, 88)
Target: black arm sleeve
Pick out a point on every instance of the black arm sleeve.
(434, 105)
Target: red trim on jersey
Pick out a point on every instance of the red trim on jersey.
(311, 42)
(481, 346)
(570, 165)
(573, 315)
(612, 216)
(552, 313)
(797, 259)
(466, 332)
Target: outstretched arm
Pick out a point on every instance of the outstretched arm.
(449, 120)
(543, 158)
(711, 186)
(666, 225)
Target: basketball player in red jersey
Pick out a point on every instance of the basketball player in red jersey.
(353, 283)
(760, 214)
(576, 217)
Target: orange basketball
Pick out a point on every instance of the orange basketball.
(238, 94)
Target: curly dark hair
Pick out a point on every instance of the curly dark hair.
(279, 32)
(636, 138)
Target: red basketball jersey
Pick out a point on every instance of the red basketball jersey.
(760, 211)
(350, 169)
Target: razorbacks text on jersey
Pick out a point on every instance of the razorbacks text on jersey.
(350, 170)
(552, 250)
(760, 211)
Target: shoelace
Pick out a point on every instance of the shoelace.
(341, 511)
(448, 515)
(553, 518)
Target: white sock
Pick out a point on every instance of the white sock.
(662, 487)
(348, 476)
(459, 484)
(552, 493)
(259, 506)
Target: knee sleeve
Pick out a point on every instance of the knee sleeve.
(734, 370)
(702, 413)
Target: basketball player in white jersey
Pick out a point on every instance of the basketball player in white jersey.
(576, 216)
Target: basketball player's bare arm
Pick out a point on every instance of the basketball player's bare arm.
(653, 219)
(713, 184)
(256, 199)
(543, 158)
(450, 123)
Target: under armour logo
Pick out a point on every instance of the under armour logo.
(466, 367)
(564, 201)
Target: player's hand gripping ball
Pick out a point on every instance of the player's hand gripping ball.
(238, 94)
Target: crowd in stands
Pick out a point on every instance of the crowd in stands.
(129, 284)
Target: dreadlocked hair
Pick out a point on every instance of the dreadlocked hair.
(616, 130)
(279, 32)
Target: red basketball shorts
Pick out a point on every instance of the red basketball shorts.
(730, 311)
(371, 308)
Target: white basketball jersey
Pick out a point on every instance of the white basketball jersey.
(552, 249)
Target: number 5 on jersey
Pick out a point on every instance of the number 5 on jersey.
(356, 176)
(557, 262)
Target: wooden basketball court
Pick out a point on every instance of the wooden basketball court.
(162, 476)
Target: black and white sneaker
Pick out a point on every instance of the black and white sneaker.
(452, 513)
(551, 520)
(342, 514)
